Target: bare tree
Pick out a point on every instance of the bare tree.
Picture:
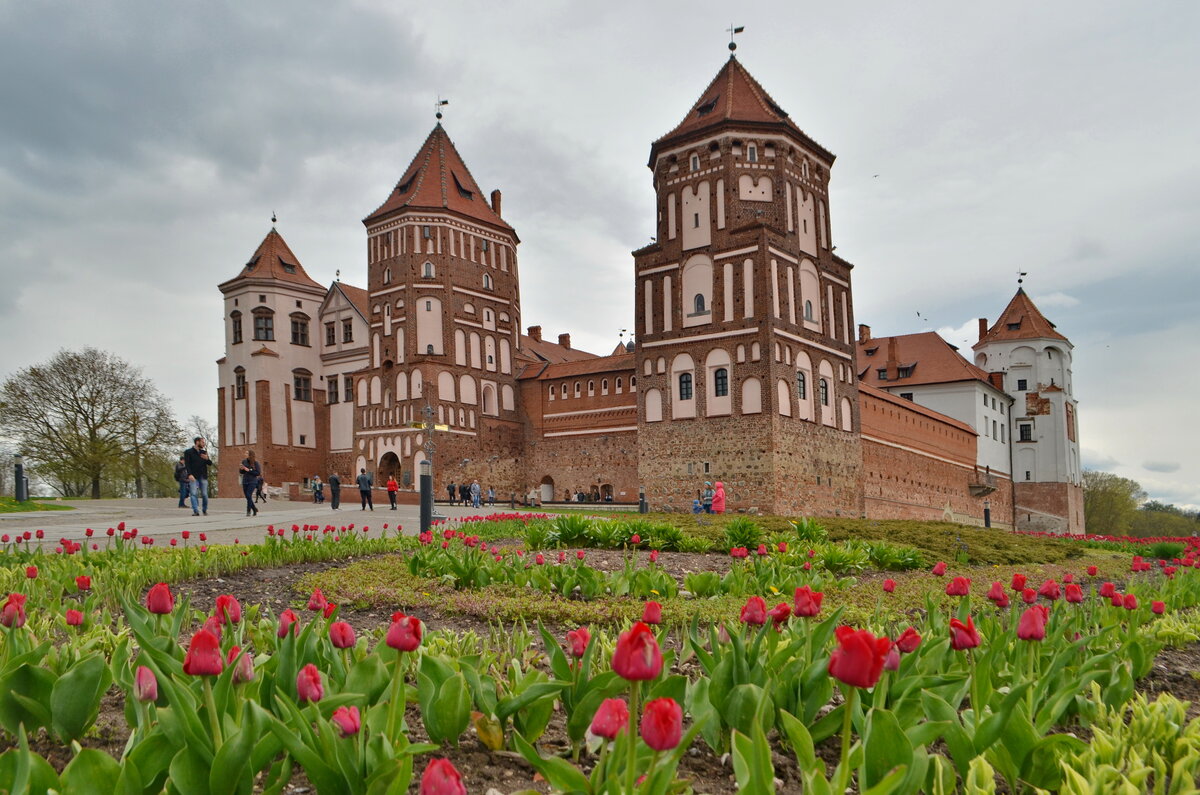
(87, 418)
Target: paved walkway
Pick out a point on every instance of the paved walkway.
(226, 519)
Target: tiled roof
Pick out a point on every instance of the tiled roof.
(552, 352)
(929, 358)
(1020, 320)
(599, 364)
(357, 296)
(438, 179)
(274, 260)
(888, 397)
(733, 95)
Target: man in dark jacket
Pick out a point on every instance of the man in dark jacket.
(335, 490)
(365, 482)
(197, 461)
(181, 477)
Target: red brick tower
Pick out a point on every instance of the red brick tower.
(745, 356)
(445, 314)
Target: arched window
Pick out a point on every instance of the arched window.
(604, 386)
(685, 386)
(239, 383)
(487, 281)
(577, 385)
(824, 390)
(619, 385)
(721, 382)
(808, 311)
(387, 275)
(236, 317)
(564, 391)
(698, 302)
(591, 388)
(801, 385)
(552, 392)
(427, 271)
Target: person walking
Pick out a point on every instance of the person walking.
(452, 490)
(181, 477)
(464, 493)
(197, 461)
(491, 495)
(365, 482)
(251, 472)
(318, 490)
(475, 493)
(335, 490)
(260, 494)
(707, 497)
(718, 503)
(392, 488)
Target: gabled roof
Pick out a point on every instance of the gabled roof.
(552, 352)
(438, 179)
(734, 96)
(597, 364)
(273, 260)
(1020, 320)
(928, 358)
(357, 296)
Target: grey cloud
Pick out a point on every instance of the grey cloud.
(1161, 466)
(1095, 460)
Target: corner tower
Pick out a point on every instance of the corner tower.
(1034, 360)
(744, 314)
(445, 311)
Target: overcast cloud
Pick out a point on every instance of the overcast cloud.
(143, 147)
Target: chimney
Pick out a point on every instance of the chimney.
(893, 367)
(982, 328)
(536, 332)
(496, 201)
(864, 332)
(564, 340)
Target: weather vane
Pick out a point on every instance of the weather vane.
(1021, 277)
(733, 31)
(273, 219)
(441, 103)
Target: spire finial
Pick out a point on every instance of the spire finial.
(437, 107)
(337, 275)
(273, 219)
(1021, 277)
(733, 31)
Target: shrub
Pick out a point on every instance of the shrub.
(743, 532)
(1165, 550)
(539, 535)
(841, 559)
(572, 530)
(810, 531)
(664, 536)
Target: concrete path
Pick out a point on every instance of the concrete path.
(226, 519)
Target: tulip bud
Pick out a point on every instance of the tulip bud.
(145, 685)
(610, 718)
(348, 720)
(74, 618)
(308, 684)
(662, 724)
(441, 778)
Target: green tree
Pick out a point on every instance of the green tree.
(1110, 502)
(89, 422)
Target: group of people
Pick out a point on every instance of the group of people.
(711, 499)
(470, 494)
(365, 482)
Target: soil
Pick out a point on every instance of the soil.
(1176, 671)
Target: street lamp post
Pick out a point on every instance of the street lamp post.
(20, 484)
(987, 512)
(426, 495)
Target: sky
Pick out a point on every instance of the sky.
(145, 145)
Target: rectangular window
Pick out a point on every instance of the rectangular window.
(348, 393)
(426, 232)
(299, 331)
(264, 327)
(302, 387)
(239, 386)
(994, 429)
(685, 386)
(330, 334)
(1027, 474)
(985, 402)
(237, 329)
(303, 440)
(1026, 433)
(347, 331)
(1002, 433)
(906, 395)
(331, 387)
(1022, 384)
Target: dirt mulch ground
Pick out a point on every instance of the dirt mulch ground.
(1175, 671)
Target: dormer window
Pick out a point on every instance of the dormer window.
(1014, 326)
(904, 372)
(250, 265)
(695, 162)
(287, 266)
(707, 107)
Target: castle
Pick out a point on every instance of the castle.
(747, 368)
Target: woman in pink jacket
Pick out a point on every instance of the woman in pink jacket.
(718, 503)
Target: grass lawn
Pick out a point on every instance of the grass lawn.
(10, 505)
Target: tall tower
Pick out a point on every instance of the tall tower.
(269, 398)
(445, 314)
(744, 314)
(1035, 362)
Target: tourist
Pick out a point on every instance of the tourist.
(365, 482)
(197, 461)
(706, 499)
(318, 490)
(335, 490)
(181, 477)
(491, 495)
(475, 493)
(718, 503)
(452, 490)
(260, 489)
(251, 472)
(392, 488)
(464, 493)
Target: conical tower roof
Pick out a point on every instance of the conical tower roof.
(733, 96)
(273, 259)
(438, 179)
(1020, 320)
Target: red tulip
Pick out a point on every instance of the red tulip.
(1074, 593)
(40, 534)
(330, 609)
(959, 586)
(405, 633)
(243, 665)
(579, 639)
(1049, 590)
(83, 582)
(637, 539)
(341, 635)
(1091, 570)
(228, 610)
(662, 724)
(754, 611)
(578, 554)
(908, 641)
(89, 532)
(120, 526)
(940, 568)
(1117, 599)
(203, 655)
(288, 622)
(1018, 582)
(308, 684)
(889, 585)
(1029, 596)
(652, 614)
(186, 534)
(739, 552)
(74, 618)
(111, 532)
(610, 718)
(13, 614)
(145, 685)
(963, 636)
(348, 721)
(762, 550)
(782, 546)
(807, 602)
(1032, 625)
(440, 778)
(637, 656)
(31, 572)
(859, 657)
(996, 592)
(1130, 602)
(1158, 608)
(317, 601)
(159, 600)
(540, 559)
(780, 613)
(892, 661)
(1107, 590)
